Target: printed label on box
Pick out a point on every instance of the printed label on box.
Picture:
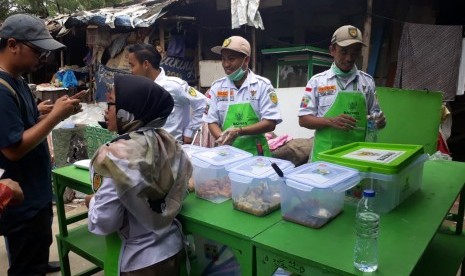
(375, 155)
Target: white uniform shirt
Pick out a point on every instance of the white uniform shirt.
(255, 90)
(322, 89)
(189, 105)
(140, 247)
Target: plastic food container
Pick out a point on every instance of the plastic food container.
(192, 149)
(210, 176)
(255, 185)
(394, 171)
(314, 193)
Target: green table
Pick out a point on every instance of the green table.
(404, 233)
(76, 239)
(219, 222)
(222, 223)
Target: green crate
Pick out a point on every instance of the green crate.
(373, 157)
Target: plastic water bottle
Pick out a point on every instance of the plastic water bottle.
(372, 129)
(367, 230)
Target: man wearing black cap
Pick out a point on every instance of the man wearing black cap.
(337, 101)
(24, 45)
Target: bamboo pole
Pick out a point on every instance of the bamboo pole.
(62, 55)
(161, 34)
(254, 50)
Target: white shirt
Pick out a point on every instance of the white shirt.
(189, 105)
(140, 247)
(321, 91)
(255, 90)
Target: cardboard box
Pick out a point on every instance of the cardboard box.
(51, 95)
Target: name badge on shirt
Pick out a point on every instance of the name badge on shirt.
(326, 90)
(222, 95)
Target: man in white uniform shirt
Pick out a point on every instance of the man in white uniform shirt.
(189, 104)
(243, 105)
(337, 101)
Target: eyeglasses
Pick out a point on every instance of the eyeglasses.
(110, 104)
(42, 52)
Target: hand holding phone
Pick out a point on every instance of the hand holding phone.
(80, 94)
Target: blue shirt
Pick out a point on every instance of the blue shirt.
(33, 171)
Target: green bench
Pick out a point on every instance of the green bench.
(89, 246)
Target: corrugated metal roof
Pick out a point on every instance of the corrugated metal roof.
(142, 14)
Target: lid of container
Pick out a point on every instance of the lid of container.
(324, 175)
(222, 155)
(375, 157)
(259, 167)
(191, 149)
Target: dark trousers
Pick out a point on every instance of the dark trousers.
(29, 244)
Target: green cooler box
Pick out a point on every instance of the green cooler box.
(394, 171)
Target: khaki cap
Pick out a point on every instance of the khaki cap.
(347, 35)
(234, 43)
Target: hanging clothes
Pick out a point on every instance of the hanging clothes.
(429, 58)
(246, 12)
(176, 46)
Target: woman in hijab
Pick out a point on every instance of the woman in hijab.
(140, 179)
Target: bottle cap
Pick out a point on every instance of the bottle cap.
(368, 193)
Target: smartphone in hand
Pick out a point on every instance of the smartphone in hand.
(80, 94)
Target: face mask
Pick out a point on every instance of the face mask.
(341, 73)
(238, 74)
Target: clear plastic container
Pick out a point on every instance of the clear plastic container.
(314, 192)
(255, 185)
(392, 189)
(192, 149)
(394, 171)
(210, 176)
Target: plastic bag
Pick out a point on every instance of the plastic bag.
(440, 156)
(69, 79)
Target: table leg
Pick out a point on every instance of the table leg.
(244, 257)
(63, 256)
(460, 212)
(60, 205)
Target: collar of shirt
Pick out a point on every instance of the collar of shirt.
(332, 75)
(251, 79)
(161, 78)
